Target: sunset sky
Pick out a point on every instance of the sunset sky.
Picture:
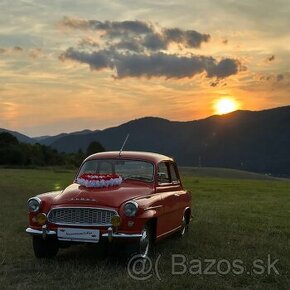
(70, 65)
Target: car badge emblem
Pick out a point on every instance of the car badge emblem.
(82, 199)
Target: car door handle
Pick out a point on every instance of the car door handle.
(177, 194)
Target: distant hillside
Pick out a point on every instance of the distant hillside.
(247, 140)
(48, 140)
(255, 141)
(20, 137)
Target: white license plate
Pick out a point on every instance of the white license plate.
(78, 235)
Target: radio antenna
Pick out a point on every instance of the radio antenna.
(123, 145)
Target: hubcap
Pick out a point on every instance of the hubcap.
(183, 226)
(144, 243)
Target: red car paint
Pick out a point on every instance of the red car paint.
(165, 203)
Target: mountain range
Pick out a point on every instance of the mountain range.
(250, 140)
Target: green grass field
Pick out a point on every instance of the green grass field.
(244, 219)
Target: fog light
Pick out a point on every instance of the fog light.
(41, 218)
(116, 220)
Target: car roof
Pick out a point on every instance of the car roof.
(148, 156)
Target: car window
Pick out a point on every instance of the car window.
(173, 173)
(135, 170)
(127, 169)
(105, 167)
(163, 174)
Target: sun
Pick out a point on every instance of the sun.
(225, 105)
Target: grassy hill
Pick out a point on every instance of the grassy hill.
(233, 219)
(223, 173)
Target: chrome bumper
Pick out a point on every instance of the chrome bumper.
(110, 234)
(119, 235)
(39, 232)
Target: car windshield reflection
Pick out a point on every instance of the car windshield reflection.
(127, 169)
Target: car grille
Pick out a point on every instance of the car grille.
(81, 216)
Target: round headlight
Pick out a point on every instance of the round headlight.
(130, 208)
(34, 204)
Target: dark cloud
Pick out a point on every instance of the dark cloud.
(272, 77)
(153, 65)
(194, 39)
(214, 84)
(87, 41)
(158, 65)
(133, 46)
(144, 33)
(155, 42)
(280, 77)
(18, 49)
(96, 60)
(269, 59)
(113, 28)
(224, 68)
(137, 27)
(189, 38)
(140, 49)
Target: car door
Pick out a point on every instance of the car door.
(169, 190)
(179, 193)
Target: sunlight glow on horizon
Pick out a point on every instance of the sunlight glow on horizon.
(225, 105)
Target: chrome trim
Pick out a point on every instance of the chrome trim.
(154, 207)
(106, 235)
(110, 234)
(135, 203)
(120, 235)
(79, 240)
(82, 225)
(39, 232)
(38, 200)
(44, 231)
(169, 232)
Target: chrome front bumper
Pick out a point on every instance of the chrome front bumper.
(110, 234)
(40, 232)
(119, 235)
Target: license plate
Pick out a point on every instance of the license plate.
(78, 235)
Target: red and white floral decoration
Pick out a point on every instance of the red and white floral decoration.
(99, 180)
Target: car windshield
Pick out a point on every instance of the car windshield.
(127, 169)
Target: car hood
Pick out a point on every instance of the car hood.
(78, 195)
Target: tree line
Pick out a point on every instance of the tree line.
(15, 153)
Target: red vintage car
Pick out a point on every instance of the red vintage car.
(131, 197)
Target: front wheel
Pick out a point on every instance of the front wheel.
(144, 246)
(146, 242)
(45, 248)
